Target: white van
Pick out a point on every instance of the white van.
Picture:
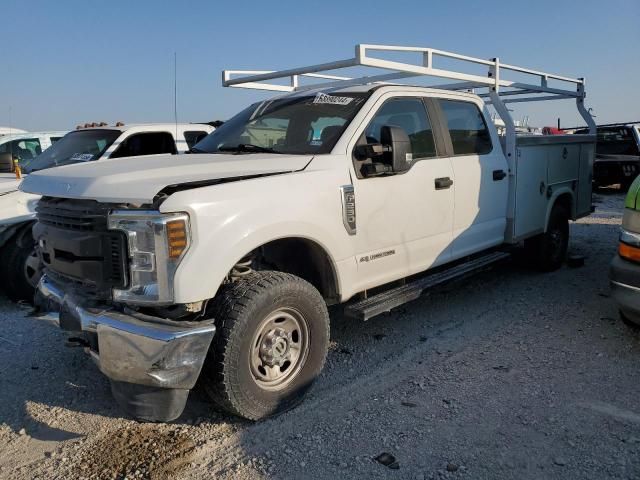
(25, 146)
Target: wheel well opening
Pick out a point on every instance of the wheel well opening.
(303, 258)
(565, 201)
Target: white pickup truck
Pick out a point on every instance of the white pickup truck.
(20, 268)
(220, 265)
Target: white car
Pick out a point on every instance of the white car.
(220, 265)
(19, 265)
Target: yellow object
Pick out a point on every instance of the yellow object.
(17, 169)
(176, 237)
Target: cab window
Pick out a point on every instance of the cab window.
(410, 115)
(193, 137)
(467, 128)
(152, 143)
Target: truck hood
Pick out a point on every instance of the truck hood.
(8, 183)
(138, 180)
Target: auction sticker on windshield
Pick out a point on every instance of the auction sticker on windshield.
(82, 157)
(332, 99)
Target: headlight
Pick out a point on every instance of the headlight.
(157, 242)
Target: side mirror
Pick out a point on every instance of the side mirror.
(398, 153)
(6, 162)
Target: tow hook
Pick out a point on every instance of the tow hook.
(76, 342)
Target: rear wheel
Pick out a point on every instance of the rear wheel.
(22, 269)
(547, 251)
(271, 344)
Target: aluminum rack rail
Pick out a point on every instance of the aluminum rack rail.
(499, 91)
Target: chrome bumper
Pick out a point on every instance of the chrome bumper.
(134, 348)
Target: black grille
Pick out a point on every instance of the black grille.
(76, 244)
(78, 215)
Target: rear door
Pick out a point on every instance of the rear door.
(481, 177)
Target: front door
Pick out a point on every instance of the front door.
(481, 178)
(404, 221)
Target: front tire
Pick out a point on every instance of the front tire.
(270, 346)
(22, 269)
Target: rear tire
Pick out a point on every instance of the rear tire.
(21, 269)
(270, 345)
(547, 252)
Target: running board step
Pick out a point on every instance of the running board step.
(385, 301)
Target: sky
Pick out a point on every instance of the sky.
(71, 62)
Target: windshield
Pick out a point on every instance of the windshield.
(75, 147)
(294, 125)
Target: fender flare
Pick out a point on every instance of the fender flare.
(557, 193)
(248, 244)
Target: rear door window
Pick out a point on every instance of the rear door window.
(467, 128)
(152, 143)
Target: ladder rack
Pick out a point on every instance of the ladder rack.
(495, 89)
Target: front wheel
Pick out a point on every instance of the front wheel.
(271, 344)
(22, 269)
(547, 251)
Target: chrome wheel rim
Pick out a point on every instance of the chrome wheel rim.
(32, 269)
(279, 348)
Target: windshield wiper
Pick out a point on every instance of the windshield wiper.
(248, 147)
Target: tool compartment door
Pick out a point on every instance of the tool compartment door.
(531, 187)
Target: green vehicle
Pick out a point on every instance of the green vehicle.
(625, 266)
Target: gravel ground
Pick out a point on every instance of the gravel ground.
(511, 374)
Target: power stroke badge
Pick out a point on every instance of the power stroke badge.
(376, 256)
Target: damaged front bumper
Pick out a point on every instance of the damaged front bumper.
(152, 362)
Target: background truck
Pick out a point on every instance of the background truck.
(219, 266)
(25, 147)
(20, 268)
(617, 154)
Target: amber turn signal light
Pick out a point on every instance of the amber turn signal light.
(628, 252)
(176, 237)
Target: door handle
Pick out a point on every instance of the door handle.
(443, 183)
(499, 175)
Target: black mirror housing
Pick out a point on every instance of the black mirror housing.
(369, 150)
(399, 154)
